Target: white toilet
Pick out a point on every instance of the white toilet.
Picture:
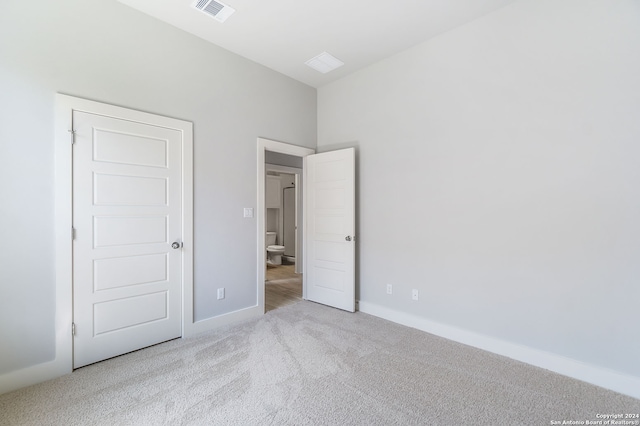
(274, 252)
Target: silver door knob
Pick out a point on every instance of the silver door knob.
(175, 245)
(347, 238)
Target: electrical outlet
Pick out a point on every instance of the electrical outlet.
(221, 293)
(389, 289)
(414, 294)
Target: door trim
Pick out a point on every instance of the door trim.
(261, 261)
(65, 105)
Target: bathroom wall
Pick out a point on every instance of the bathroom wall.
(288, 220)
(277, 216)
(273, 202)
(273, 221)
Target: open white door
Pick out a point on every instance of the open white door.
(330, 220)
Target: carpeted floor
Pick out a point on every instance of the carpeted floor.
(307, 364)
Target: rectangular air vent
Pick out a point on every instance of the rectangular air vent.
(215, 9)
(324, 62)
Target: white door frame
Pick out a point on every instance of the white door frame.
(65, 105)
(261, 261)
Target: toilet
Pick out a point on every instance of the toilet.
(274, 252)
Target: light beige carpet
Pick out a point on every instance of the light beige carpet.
(306, 364)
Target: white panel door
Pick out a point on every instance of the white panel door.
(330, 213)
(126, 214)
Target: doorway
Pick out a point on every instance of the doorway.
(328, 224)
(278, 152)
(283, 280)
(283, 200)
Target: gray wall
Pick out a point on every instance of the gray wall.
(499, 175)
(105, 51)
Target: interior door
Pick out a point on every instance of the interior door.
(330, 214)
(126, 215)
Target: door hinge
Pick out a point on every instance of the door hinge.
(73, 136)
(73, 233)
(73, 328)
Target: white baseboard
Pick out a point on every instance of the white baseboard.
(609, 379)
(222, 320)
(31, 375)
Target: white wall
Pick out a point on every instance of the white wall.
(105, 51)
(499, 175)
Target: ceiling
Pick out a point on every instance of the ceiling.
(284, 34)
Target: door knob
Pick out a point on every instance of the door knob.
(175, 245)
(347, 238)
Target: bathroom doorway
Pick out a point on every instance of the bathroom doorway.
(279, 212)
(283, 202)
(283, 215)
(328, 225)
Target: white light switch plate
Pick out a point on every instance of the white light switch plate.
(248, 212)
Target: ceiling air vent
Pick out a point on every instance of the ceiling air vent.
(324, 62)
(215, 9)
